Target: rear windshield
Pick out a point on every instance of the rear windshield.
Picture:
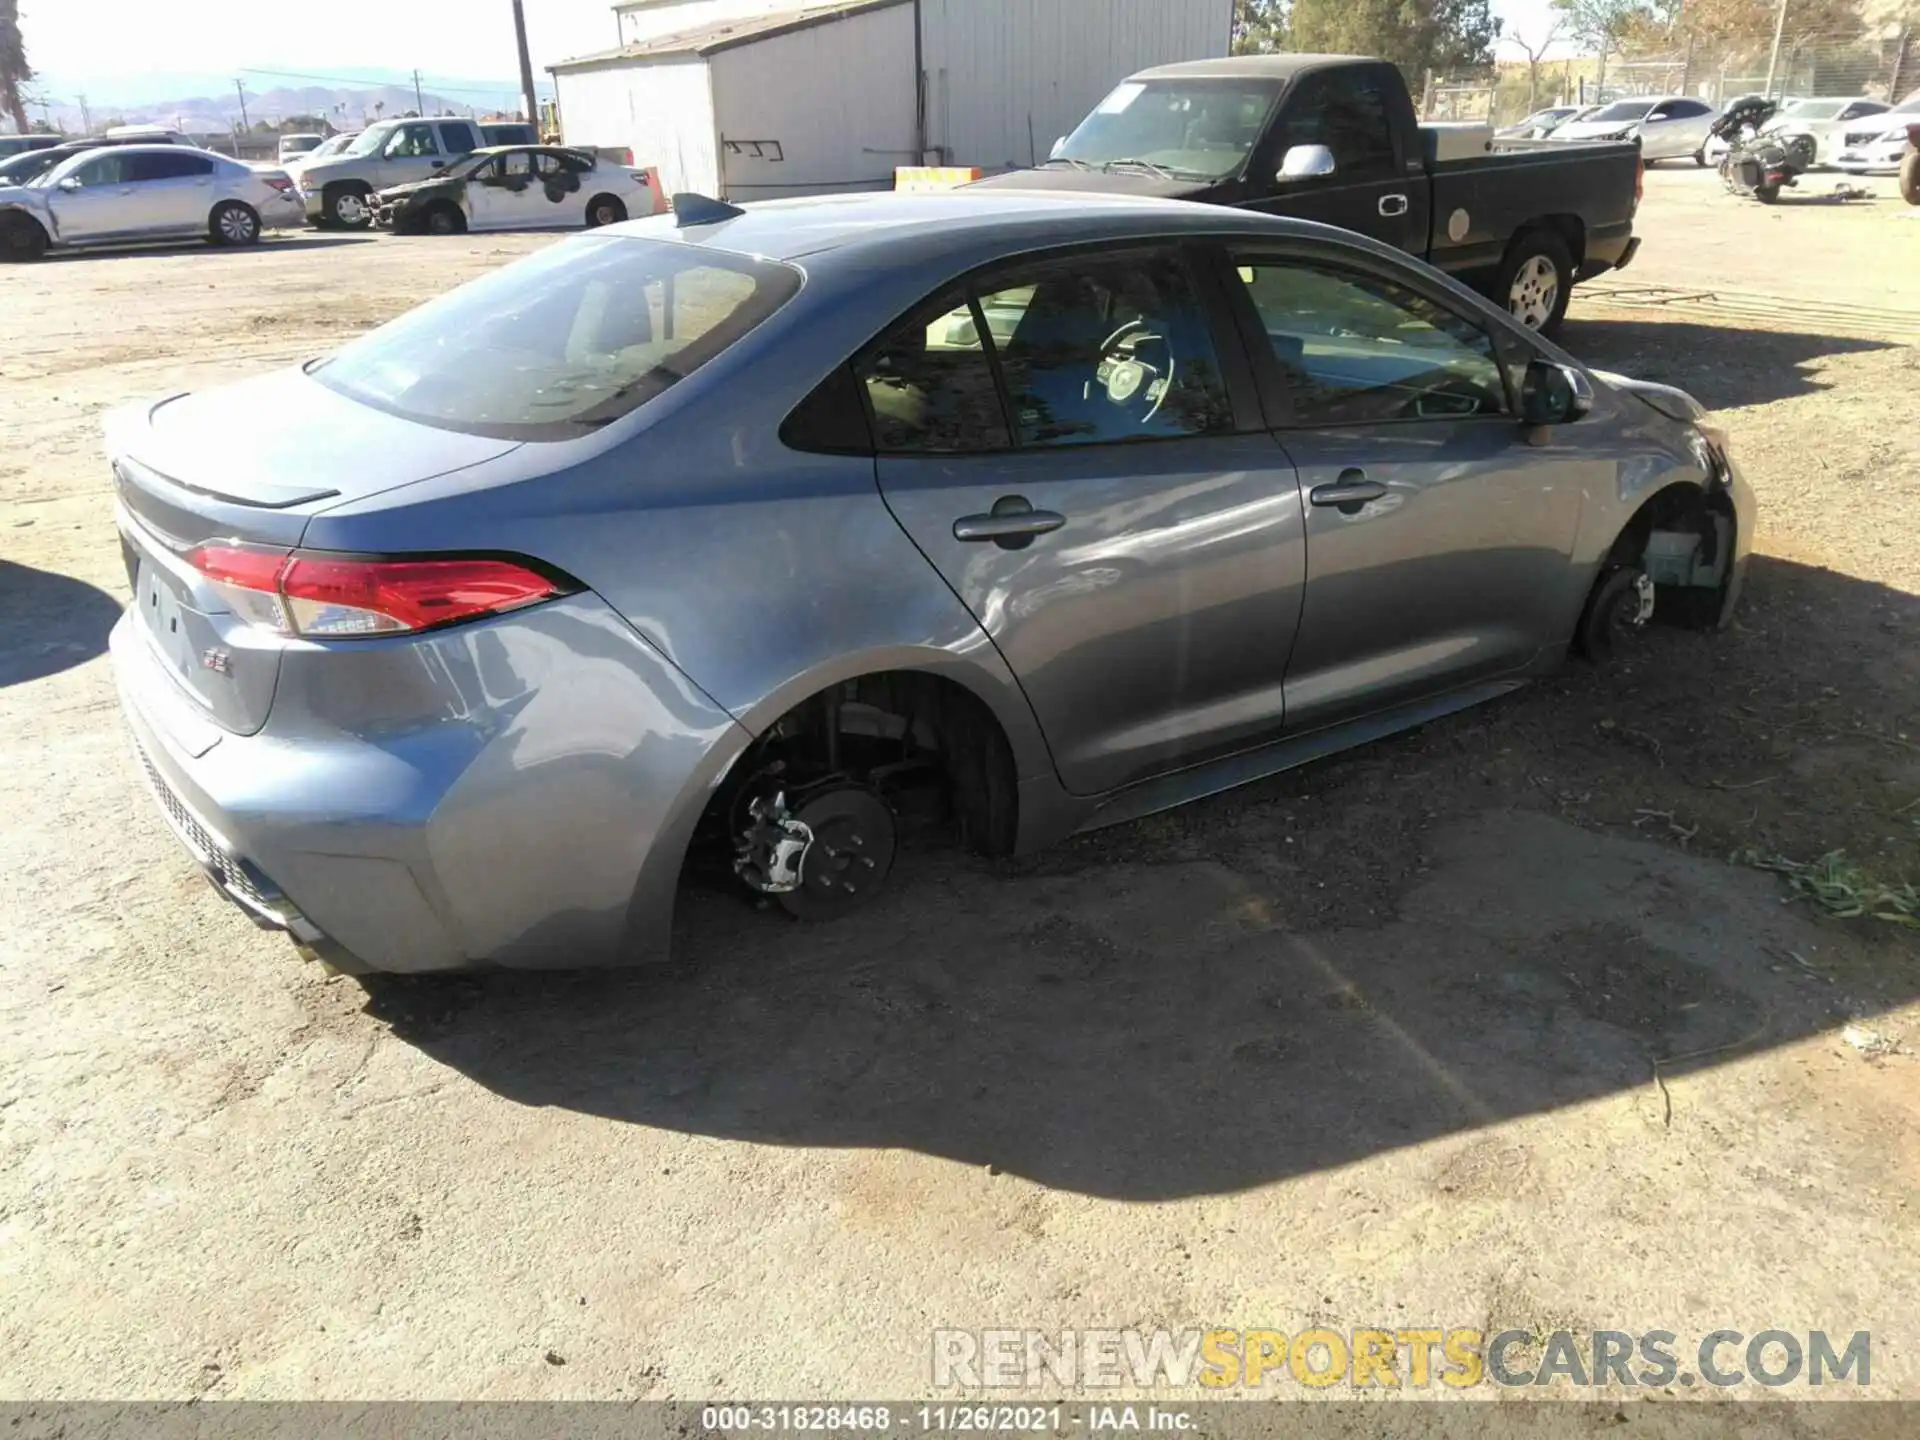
(1623, 110)
(564, 341)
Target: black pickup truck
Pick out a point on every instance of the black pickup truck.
(1334, 138)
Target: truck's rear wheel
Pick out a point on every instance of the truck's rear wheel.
(1910, 177)
(1536, 281)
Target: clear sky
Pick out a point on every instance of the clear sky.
(91, 39)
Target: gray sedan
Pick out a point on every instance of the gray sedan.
(763, 534)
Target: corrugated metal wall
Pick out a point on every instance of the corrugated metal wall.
(794, 121)
(1005, 77)
(663, 111)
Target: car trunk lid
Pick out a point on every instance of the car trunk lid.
(249, 463)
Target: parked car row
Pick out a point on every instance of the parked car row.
(1851, 132)
(420, 175)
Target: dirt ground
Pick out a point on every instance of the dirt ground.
(1475, 1027)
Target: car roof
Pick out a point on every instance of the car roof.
(1249, 67)
(853, 227)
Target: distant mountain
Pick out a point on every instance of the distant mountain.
(207, 108)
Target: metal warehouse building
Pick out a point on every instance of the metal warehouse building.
(753, 100)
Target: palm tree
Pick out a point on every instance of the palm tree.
(14, 70)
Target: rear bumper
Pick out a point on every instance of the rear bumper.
(1608, 252)
(473, 818)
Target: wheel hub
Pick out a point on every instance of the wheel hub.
(1535, 288)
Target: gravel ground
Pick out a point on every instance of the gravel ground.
(1476, 1027)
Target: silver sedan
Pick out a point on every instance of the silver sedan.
(764, 533)
(116, 194)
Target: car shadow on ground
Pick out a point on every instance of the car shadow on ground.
(49, 622)
(1436, 933)
(1722, 366)
(269, 245)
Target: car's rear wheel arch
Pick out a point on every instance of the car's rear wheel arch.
(940, 717)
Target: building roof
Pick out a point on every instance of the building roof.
(725, 34)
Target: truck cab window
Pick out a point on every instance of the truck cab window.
(1345, 111)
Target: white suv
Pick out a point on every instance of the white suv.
(338, 189)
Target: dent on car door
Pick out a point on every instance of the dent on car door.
(1438, 540)
(1059, 441)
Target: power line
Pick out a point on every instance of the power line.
(365, 83)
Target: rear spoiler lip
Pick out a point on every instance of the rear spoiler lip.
(269, 497)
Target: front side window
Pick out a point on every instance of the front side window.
(1357, 349)
(563, 342)
(1345, 111)
(411, 141)
(1200, 128)
(1087, 350)
(517, 166)
(108, 169)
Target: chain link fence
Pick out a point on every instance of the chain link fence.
(1882, 63)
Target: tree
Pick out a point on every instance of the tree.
(1602, 24)
(1446, 36)
(1259, 26)
(1536, 50)
(14, 70)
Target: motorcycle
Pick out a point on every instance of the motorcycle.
(1757, 164)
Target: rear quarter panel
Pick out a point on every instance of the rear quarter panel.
(1479, 204)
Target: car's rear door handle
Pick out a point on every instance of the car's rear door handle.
(1391, 205)
(1350, 492)
(1012, 523)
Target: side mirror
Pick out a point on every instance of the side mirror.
(1305, 162)
(1553, 394)
(71, 183)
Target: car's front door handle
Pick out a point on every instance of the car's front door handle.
(1391, 205)
(1349, 493)
(1011, 524)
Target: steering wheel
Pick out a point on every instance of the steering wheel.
(1137, 385)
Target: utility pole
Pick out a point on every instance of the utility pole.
(240, 89)
(419, 103)
(1773, 60)
(527, 96)
(86, 117)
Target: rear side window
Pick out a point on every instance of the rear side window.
(178, 165)
(564, 341)
(459, 138)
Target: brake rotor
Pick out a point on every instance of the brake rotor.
(850, 857)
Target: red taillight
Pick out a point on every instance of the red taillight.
(1913, 136)
(334, 597)
(1639, 180)
(281, 183)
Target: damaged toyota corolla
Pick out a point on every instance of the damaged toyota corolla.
(777, 528)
